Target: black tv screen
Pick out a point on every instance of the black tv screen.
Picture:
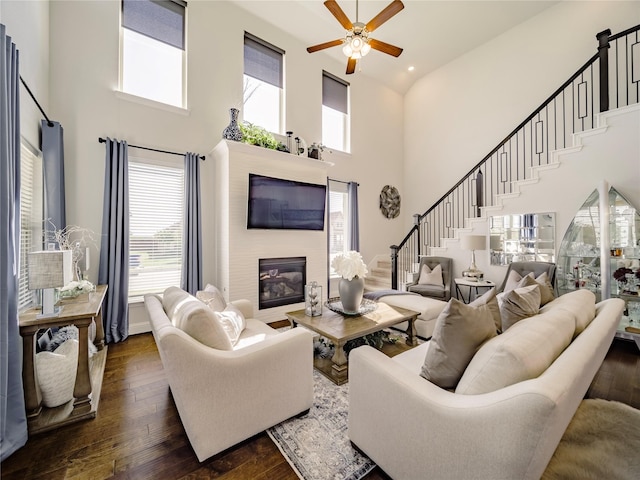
(275, 203)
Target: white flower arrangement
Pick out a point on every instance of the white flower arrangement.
(75, 288)
(349, 265)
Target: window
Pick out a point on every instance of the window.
(153, 50)
(338, 220)
(263, 91)
(156, 202)
(335, 112)
(31, 217)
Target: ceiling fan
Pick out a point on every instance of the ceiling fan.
(357, 42)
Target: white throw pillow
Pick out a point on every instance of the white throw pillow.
(459, 332)
(431, 277)
(232, 321)
(212, 297)
(200, 322)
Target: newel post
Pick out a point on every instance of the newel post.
(394, 267)
(416, 222)
(603, 55)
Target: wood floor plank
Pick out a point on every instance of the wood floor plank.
(137, 433)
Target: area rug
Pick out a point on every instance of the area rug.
(602, 441)
(316, 445)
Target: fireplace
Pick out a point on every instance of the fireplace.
(281, 281)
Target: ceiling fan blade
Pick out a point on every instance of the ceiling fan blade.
(385, 47)
(337, 12)
(322, 46)
(351, 65)
(388, 12)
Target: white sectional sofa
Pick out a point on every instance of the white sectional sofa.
(228, 394)
(522, 388)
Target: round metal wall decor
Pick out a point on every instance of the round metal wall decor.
(390, 201)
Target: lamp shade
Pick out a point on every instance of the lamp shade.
(50, 269)
(473, 242)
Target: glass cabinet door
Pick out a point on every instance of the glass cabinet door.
(579, 254)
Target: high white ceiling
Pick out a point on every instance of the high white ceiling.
(432, 33)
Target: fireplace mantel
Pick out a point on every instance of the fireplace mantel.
(238, 249)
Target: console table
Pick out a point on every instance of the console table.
(81, 312)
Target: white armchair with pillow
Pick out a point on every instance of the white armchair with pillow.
(434, 278)
(231, 376)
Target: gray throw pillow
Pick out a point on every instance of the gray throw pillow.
(459, 332)
(491, 301)
(518, 304)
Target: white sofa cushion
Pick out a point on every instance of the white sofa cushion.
(580, 303)
(460, 330)
(521, 353)
(196, 319)
(518, 304)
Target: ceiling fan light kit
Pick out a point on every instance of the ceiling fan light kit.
(357, 43)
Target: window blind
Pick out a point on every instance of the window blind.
(31, 216)
(162, 20)
(263, 61)
(156, 202)
(335, 93)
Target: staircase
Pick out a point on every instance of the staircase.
(379, 276)
(518, 162)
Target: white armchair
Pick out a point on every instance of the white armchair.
(226, 396)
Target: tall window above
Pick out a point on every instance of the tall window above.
(156, 203)
(31, 217)
(263, 90)
(335, 113)
(153, 50)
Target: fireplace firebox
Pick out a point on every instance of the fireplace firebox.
(281, 281)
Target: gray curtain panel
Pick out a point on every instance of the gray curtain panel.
(13, 419)
(354, 218)
(191, 280)
(114, 247)
(53, 170)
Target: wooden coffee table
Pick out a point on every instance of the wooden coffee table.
(340, 329)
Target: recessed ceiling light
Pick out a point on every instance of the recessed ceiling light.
(411, 68)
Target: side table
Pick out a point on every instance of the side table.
(463, 282)
(79, 312)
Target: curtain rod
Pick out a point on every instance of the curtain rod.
(49, 122)
(202, 157)
(340, 181)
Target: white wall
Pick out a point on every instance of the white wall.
(28, 25)
(84, 77)
(457, 114)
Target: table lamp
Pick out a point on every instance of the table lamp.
(473, 243)
(49, 269)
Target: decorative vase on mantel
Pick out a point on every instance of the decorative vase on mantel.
(232, 132)
(351, 292)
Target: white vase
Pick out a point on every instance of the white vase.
(351, 292)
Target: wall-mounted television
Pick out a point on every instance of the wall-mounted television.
(276, 203)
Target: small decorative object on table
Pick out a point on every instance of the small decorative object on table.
(313, 299)
(366, 306)
(352, 269)
(75, 288)
(232, 132)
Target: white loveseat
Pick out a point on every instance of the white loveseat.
(226, 396)
(508, 432)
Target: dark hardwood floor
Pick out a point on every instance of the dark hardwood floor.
(138, 435)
